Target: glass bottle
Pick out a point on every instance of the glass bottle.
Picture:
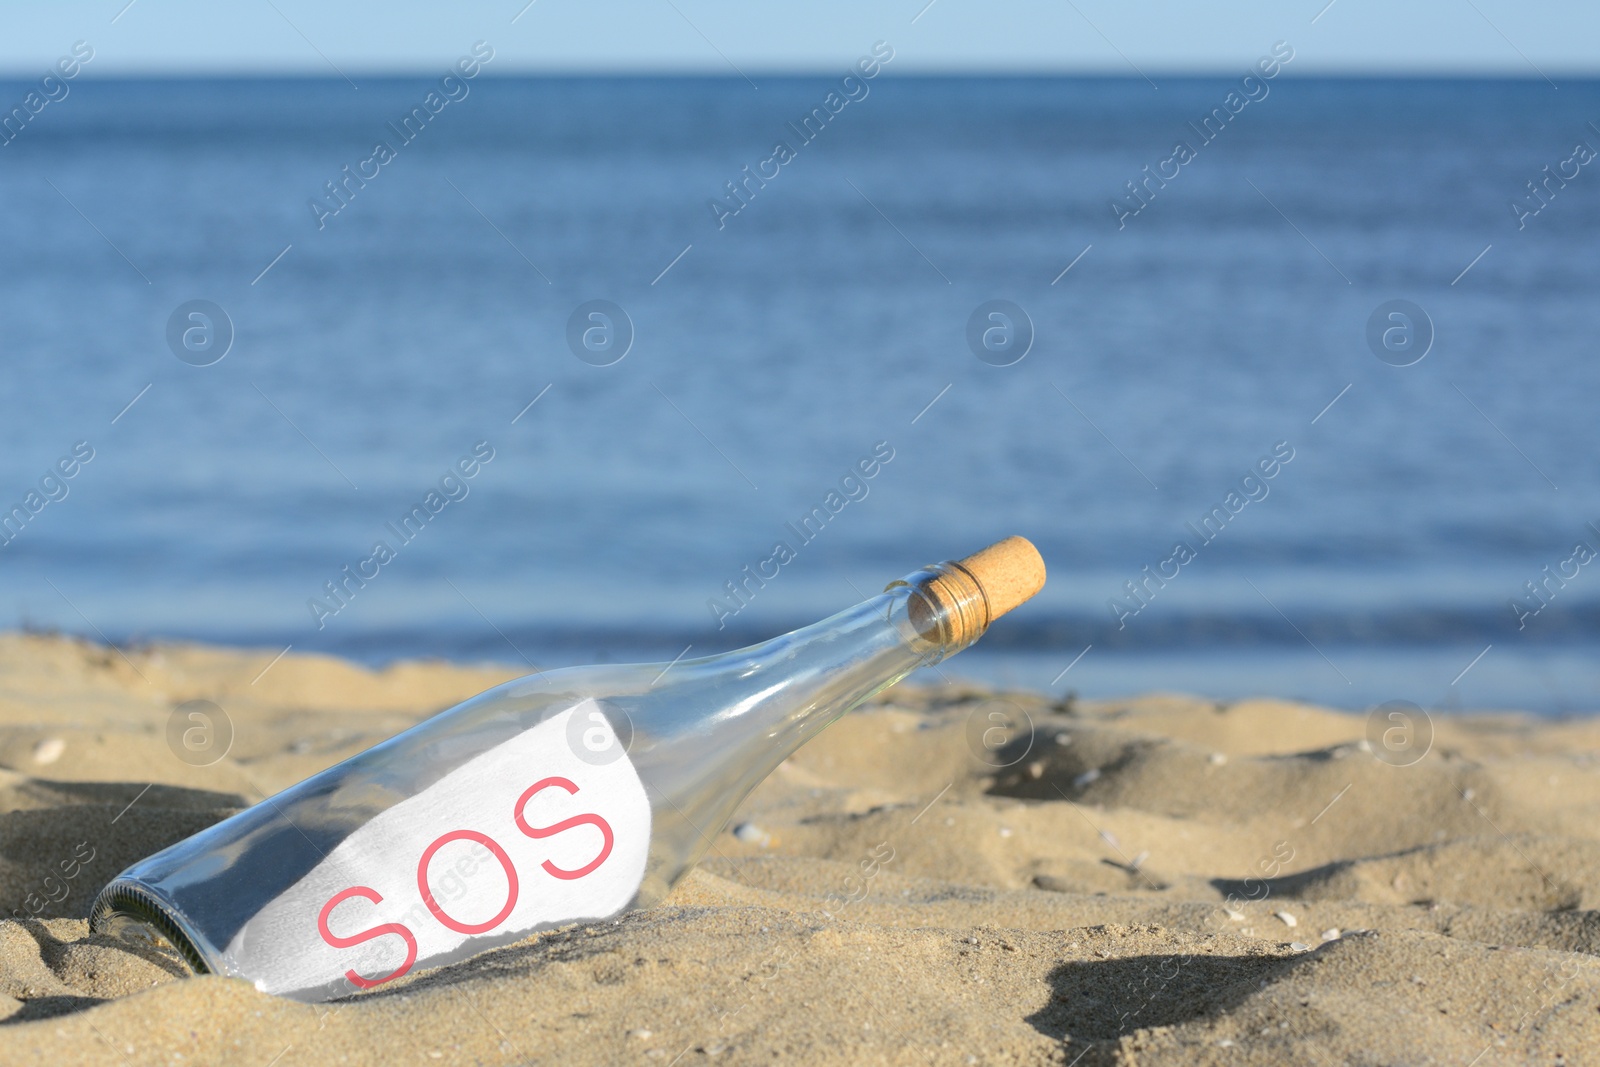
(565, 796)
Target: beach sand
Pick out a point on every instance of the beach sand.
(1157, 880)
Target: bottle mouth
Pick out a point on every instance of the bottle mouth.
(947, 606)
(130, 913)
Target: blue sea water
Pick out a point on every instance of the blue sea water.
(774, 348)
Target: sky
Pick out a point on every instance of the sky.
(1516, 38)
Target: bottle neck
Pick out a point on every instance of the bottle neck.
(773, 697)
(823, 670)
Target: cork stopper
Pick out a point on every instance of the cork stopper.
(1009, 572)
(956, 602)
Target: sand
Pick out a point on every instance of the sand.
(1157, 880)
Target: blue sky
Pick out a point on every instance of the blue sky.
(1502, 37)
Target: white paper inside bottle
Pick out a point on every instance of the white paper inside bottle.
(294, 947)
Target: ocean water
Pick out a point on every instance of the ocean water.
(1176, 352)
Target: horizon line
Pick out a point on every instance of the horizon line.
(19, 76)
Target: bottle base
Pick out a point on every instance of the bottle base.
(130, 913)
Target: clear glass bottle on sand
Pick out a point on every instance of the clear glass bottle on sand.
(565, 796)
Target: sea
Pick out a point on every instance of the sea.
(1292, 381)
